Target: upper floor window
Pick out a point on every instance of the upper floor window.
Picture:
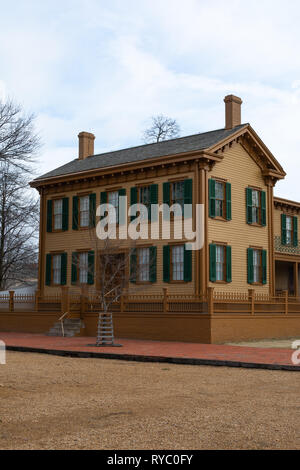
(219, 193)
(256, 206)
(177, 193)
(57, 214)
(181, 193)
(220, 197)
(113, 199)
(146, 195)
(84, 211)
(289, 230)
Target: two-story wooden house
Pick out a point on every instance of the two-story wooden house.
(250, 237)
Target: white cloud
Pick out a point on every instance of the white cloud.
(83, 65)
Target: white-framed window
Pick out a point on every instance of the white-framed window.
(257, 265)
(84, 216)
(220, 263)
(220, 199)
(289, 230)
(57, 214)
(177, 195)
(255, 206)
(144, 264)
(83, 267)
(177, 263)
(113, 199)
(56, 269)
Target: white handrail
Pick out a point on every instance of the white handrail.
(62, 323)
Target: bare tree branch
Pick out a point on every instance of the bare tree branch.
(162, 128)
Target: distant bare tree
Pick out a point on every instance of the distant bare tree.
(162, 128)
(19, 213)
(18, 140)
(18, 207)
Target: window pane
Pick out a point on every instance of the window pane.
(257, 265)
(57, 211)
(144, 197)
(113, 199)
(84, 211)
(178, 193)
(220, 263)
(56, 269)
(177, 263)
(83, 268)
(144, 264)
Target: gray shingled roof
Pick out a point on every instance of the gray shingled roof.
(143, 152)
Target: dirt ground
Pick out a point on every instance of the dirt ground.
(49, 402)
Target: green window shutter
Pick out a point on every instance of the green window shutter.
(166, 263)
(166, 199)
(63, 272)
(263, 209)
(212, 262)
(212, 198)
(48, 270)
(228, 264)
(122, 217)
(133, 265)
(91, 267)
(65, 215)
(188, 196)
(283, 229)
(264, 266)
(153, 200)
(249, 205)
(92, 198)
(133, 199)
(250, 266)
(49, 215)
(295, 231)
(188, 265)
(228, 201)
(75, 213)
(74, 267)
(153, 251)
(103, 200)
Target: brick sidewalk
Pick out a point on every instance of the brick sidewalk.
(154, 351)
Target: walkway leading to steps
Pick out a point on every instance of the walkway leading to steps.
(155, 351)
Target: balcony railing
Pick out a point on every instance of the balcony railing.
(289, 249)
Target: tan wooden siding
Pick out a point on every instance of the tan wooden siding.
(239, 169)
(73, 240)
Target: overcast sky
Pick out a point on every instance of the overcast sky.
(107, 66)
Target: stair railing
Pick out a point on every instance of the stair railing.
(61, 319)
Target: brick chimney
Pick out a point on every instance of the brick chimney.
(232, 111)
(86, 145)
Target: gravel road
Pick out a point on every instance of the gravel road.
(49, 402)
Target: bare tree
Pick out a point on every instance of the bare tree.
(114, 268)
(162, 128)
(18, 227)
(18, 140)
(18, 208)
